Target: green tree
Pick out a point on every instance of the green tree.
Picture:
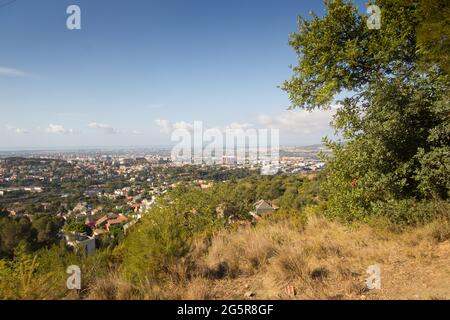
(3, 212)
(14, 232)
(47, 229)
(78, 227)
(395, 120)
(433, 33)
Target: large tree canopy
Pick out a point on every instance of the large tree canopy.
(395, 123)
(433, 33)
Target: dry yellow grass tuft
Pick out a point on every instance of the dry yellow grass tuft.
(326, 260)
(320, 259)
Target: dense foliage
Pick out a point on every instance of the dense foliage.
(393, 161)
(394, 124)
(186, 213)
(151, 248)
(39, 233)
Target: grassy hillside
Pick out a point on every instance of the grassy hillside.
(292, 259)
(183, 249)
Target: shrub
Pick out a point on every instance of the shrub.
(440, 230)
(411, 212)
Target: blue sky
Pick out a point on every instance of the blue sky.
(140, 67)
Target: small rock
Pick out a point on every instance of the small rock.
(249, 294)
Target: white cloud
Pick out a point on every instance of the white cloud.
(298, 121)
(164, 125)
(105, 127)
(10, 72)
(57, 129)
(17, 130)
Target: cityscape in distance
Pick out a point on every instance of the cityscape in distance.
(215, 157)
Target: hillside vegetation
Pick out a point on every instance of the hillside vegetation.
(383, 197)
(183, 250)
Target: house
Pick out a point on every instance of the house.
(120, 219)
(262, 208)
(101, 222)
(81, 243)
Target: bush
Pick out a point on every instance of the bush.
(411, 212)
(440, 230)
(163, 237)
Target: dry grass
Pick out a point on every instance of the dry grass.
(440, 230)
(319, 260)
(112, 287)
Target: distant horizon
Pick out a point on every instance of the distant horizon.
(117, 148)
